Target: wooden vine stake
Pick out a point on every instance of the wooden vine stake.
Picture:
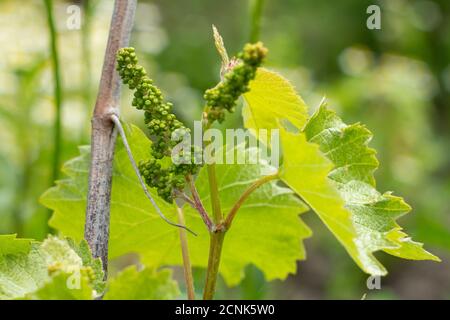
(103, 136)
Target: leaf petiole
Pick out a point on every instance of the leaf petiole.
(231, 215)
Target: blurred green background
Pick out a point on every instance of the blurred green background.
(395, 80)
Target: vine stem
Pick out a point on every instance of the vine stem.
(218, 235)
(232, 214)
(214, 192)
(186, 259)
(103, 137)
(215, 252)
(57, 89)
(119, 127)
(220, 227)
(256, 8)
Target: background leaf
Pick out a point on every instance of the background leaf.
(43, 272)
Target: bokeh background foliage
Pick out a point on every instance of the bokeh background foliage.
(395, 80)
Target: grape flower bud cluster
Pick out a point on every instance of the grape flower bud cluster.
(235, 83)
(162, 125)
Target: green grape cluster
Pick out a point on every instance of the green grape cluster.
(159, 119)
(165, 180)
(162, 124)
(166, 130)
(157, 177)
(235, 83)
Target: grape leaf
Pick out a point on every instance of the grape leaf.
(272, 100)
(305, 170)
(43, 271)
(147, 284)
(373, 213)
(335, 176)
(267, 231)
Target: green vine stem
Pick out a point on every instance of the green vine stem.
(219, 99)
(256, 8)
(186, 259)
(218, 235)
(214, 191)
(215, 252)
(57, 89)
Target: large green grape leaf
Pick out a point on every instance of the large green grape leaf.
(330, 166)
(373, 214)
(305, 170)
(272, 100)
(267, 231)
(46, 270)
(147, 284)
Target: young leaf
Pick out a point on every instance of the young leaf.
(43, 271)
(147, 284)
(267, 231)
(373, 214)
(337, 184)
(272, 100)
(305, 170)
